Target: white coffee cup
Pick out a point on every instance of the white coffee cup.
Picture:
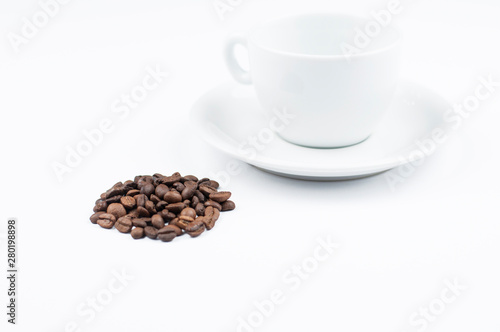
(299, 65)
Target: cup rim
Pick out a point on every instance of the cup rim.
(361, 54)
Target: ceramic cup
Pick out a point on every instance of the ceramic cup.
(328, 73)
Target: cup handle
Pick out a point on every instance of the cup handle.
(238, 73)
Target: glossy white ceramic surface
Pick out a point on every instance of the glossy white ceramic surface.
(297, 64)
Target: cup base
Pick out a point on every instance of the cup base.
(322, 147)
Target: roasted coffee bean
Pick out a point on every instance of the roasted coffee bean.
(200, 196)
(167, 237)
(172, 197)
(216, 215)
(214, 204)
(157, 221)
(188, 193)
(213, 184)
(157, 179)
(206, 189)
(141, 200)
(133, 213)
(151, 232)
(148, 179)
(95, 216)
(220, 197)
(200, 209)
(139, 222)
(133, 192)
(228, 206)
(194, 225)
(156, 182)
(209, 222)
(179, 223)
(106, 220)
(102, 197)
(167, 215)
(178, 186)
(100, 206)
(190, 189)
(212, 213)
(130, 184)
(114, 199)
(189, 178)
(170, 229)
(188, 212)
(117, 190)
(148, 189)
(137, 233)
(150, 206)
(200, 181)
(213, 220)
(108, 216)
(168, 233)
(190, 183)
(194, 201)
(158, 176)
(175, 208)
(161, 190)
(155, 199)
(169, 180)
(128, 202)
(117, 210)
(186, 219)
(195, 229)
(141, 183)
(124, 225)
(211, 216)
(161, 205)
(143, 212)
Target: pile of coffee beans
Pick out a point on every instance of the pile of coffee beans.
(162, 207)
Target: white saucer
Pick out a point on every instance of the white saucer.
(228, 115)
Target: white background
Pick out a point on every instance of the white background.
(397, 247)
